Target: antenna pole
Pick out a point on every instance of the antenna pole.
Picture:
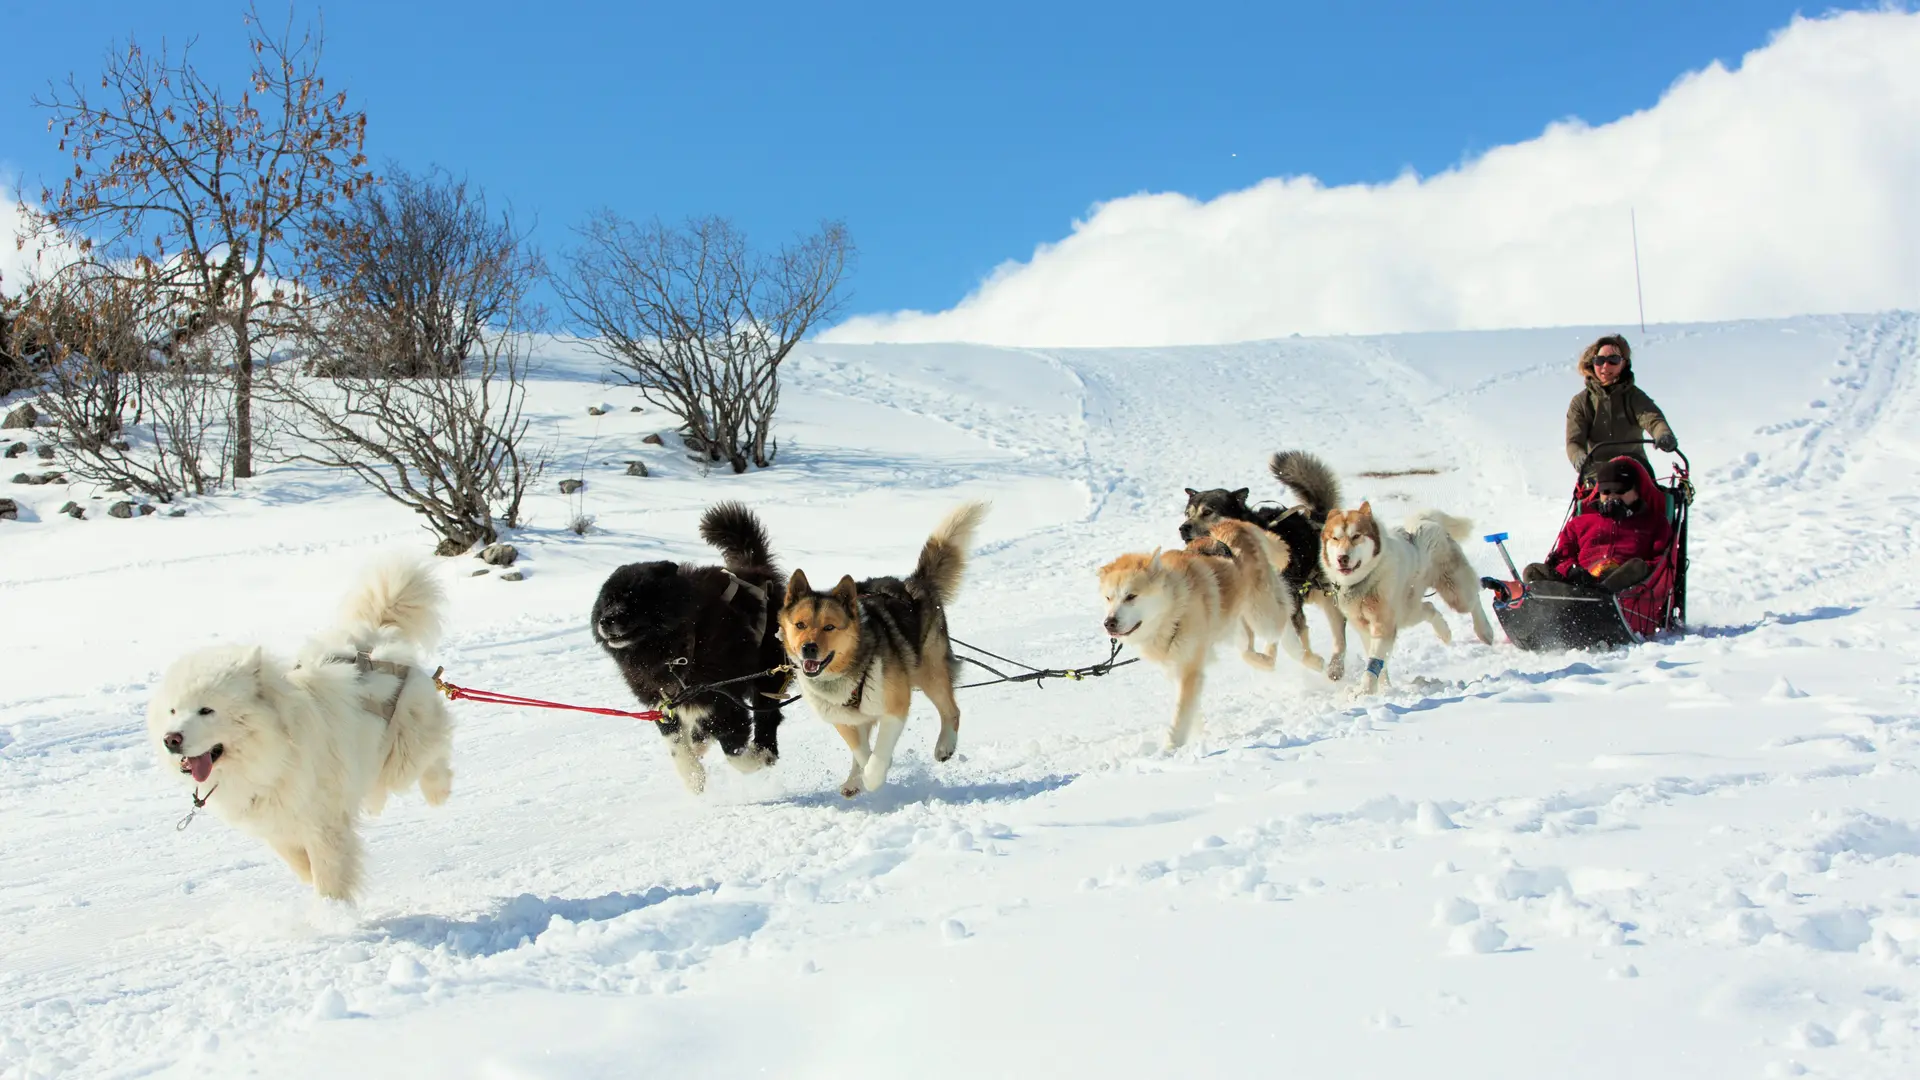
(1638, 296)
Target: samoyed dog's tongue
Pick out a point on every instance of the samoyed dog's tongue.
(201, 766)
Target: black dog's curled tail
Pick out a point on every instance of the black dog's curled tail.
(742, 540)
(1311, 481)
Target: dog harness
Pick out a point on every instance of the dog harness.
(364, 662)
(734, 585)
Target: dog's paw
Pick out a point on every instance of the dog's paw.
(1313, 662)
(1362, 689)
(1336, 668)
(946, 744)
(874, 776)
(692, 774)
(436, 784)
(751, 759)
(852, 787)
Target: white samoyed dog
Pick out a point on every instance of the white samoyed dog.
(293, 752)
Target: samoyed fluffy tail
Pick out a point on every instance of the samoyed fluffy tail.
(398, 595)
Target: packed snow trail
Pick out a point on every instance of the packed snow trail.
(1691, 858)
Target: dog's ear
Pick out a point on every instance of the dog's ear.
(847, 592)
(1191, 494)
(1240, 495)
(1153, 561)
(254, 664)
(1366, 509)
(797, 587)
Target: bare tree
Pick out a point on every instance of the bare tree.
(700, 323)
(16, 372)
(416, 367)
(425, 273)
(202, 195)
(123, 413)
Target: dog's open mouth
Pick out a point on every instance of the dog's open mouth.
(810, 668)
(1345, 565)
(201, 765)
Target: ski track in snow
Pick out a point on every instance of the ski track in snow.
(1698, 850)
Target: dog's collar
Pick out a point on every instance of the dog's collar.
(199, 804)
(853, 699)
(859, 690)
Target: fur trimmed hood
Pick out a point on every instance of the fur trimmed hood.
(1585, 364)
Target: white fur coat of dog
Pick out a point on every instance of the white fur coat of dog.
(294, 752)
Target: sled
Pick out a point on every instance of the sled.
(1551, 615)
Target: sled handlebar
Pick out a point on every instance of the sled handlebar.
(1597, 447)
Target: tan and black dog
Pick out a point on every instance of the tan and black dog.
(1316, 493)
(863, 647)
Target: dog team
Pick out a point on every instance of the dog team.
(295, 751)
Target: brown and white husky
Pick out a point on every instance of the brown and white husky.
(1381, 577)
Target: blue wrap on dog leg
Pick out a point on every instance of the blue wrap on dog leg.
(1376, 666)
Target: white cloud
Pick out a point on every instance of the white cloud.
(17, 264)
(1788, 185)
(14, 263)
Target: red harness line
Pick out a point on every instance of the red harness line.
(489, 697)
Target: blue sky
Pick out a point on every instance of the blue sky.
(950, 137)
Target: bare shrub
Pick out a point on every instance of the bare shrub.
(425, 272)
(416, 356)
(124, 413)
(700, 323)
(201, 196)
(16, 370)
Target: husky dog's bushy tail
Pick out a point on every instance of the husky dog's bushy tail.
(1310, 480)
(736, 531)
(400, 594)
(1457, 527)
(944, 558)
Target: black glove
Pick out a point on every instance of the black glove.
(1666, 443)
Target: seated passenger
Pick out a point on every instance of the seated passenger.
(1612, 545)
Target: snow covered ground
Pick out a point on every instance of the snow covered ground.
(1698, 858)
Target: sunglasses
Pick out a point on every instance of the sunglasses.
(1609, 361)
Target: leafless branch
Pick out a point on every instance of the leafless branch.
(415, 377)
(204, 196)
(700, 323)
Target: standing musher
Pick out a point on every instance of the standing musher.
(1612, 409)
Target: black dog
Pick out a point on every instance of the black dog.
(1298, 526)
(672, 627)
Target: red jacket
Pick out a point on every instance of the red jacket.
(1595, 543)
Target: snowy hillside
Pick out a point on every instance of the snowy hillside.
(1691, 859)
